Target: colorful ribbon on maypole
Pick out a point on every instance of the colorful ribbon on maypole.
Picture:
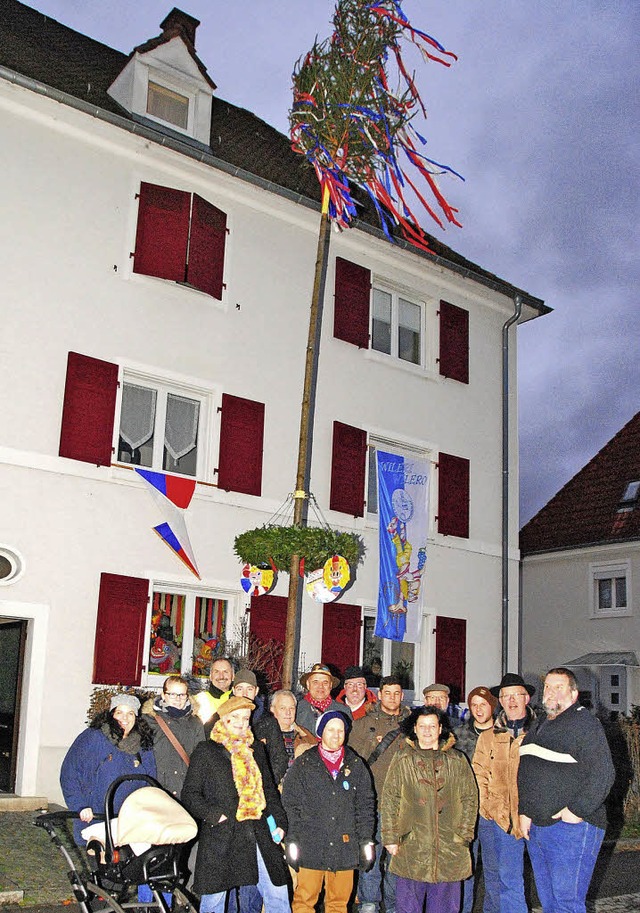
(354, 129)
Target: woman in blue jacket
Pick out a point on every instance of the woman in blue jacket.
(117, 742)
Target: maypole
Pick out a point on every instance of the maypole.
(356, 130)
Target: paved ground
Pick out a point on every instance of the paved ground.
(33, 873)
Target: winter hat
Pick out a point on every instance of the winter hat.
(125, 700)
(485, 694)
(247, 677)
(353, 672)
(324, 718)
(512, 680)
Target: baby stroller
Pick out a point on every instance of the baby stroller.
(143, 845)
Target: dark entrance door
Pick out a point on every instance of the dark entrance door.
(451, 654)
(12, 641)
(341, 626)
(267, 628)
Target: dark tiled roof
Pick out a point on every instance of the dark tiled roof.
(40, 48)
(588, 509)
(616, 658)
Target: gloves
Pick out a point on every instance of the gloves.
(292, 854)
(367, 855)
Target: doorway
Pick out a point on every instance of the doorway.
(13, 636)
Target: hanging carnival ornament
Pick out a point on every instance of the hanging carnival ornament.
(354, 128)
(317, 589)
(258, 580)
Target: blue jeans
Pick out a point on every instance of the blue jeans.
(378, 883)
(503, 867)
(275, 897)
(563, 857)
(250, 900)
(468, 885)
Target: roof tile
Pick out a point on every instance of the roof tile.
(588, 509)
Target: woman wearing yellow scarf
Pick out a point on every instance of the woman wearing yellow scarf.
(230, 790)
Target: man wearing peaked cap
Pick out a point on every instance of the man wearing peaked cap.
(495, 764)
(316, 700)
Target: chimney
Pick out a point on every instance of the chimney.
(177, 21)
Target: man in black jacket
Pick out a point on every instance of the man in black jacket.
(564, 777)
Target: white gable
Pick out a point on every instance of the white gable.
(171, 66)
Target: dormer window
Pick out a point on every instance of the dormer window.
(167, 105)
(631, 493)
(165, 84)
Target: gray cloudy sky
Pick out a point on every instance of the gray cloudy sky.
(540, 115)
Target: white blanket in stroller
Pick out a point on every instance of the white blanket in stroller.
(148, 817)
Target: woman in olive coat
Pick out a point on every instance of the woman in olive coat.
(230, 790)
(429, 809)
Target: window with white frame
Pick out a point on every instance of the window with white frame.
(397, 326)
(610, 594)
(187, 630)
(161, 424)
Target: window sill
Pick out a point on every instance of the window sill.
(398, 364)
(611, 613)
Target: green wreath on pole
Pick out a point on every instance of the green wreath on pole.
(273, 546)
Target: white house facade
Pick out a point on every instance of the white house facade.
(156, 315)
(580, 584)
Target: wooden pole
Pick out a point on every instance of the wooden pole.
(305, 443)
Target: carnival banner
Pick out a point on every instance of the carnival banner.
(403, 511)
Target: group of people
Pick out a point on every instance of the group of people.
(305, 792)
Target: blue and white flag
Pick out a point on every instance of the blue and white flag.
(403, 511)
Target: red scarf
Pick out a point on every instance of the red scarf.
(322, 706)
(332, 759)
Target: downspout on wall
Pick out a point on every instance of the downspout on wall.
(505, 479)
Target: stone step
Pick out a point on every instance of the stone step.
(11, 803)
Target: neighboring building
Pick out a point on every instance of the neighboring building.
(158, 258)
(581, 578)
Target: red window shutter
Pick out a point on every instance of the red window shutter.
(119, 646)
(348, 466)
(341, 626)
(241, 445)
(351, 308)
(451, 655)
(163, 232)
(453, 496)
(88, 410)
(454, 342)
(205, 269)
(268, 624)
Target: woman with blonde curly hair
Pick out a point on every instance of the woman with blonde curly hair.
(230, 790)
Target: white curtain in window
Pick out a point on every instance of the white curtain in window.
(138, 415)
(181, 432)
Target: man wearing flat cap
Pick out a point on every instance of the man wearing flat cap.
(437, 695)
(316, 700)
(355, 693)
(495, 764)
